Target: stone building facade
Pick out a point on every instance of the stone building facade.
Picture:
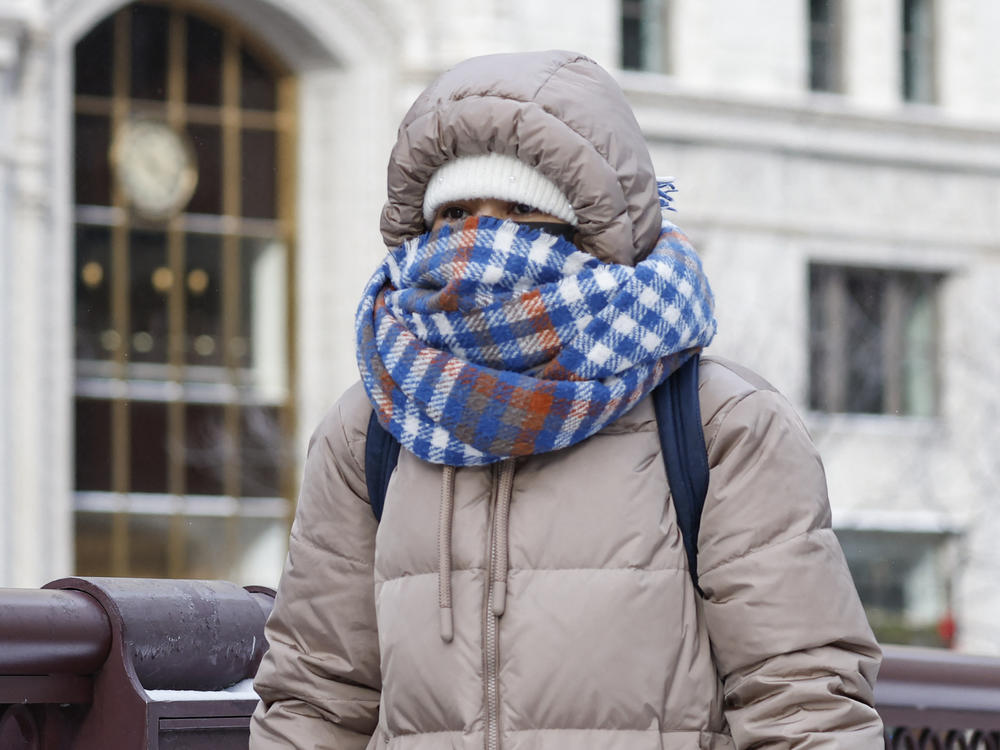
(189, 197)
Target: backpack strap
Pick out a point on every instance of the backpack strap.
(682, 443)
(381, 455)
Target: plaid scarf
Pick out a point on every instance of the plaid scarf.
(494, 340)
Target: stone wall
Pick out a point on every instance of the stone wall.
(771, 177)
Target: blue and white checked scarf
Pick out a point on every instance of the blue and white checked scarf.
(494, 340)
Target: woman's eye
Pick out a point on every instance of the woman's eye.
(521, 209)
(453, 213)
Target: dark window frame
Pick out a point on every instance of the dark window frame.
(826, 46)
(644, 35)
(918, 51)
(169, 374)
(883, 564)
(874, 338)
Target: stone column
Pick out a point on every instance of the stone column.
(35, 322)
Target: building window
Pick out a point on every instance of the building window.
(825, 46)
(918, 50)
(183, 408)
(904, 581)
(644, 35)
(873, 340)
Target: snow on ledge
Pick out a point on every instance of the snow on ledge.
(240, 691)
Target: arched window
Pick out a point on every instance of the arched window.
(183, 333)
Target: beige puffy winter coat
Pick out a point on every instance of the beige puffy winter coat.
(574, 622)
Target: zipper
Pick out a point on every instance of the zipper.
(491, 647)
(492, 659)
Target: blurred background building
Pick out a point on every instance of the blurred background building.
(189, 199)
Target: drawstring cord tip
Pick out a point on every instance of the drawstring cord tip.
(499, 598)
(447, 626)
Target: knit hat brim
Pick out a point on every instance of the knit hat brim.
(495, 176)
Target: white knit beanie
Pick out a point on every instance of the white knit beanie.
(494, 176)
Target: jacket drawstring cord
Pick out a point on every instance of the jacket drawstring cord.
(444, 553)
(501, 532)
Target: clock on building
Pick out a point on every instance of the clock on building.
(155, 167)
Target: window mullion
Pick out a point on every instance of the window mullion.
(835, 334)
(892, 344)
(286, 212)
(120, 277)
(652, 36)
(176, 424)
(176, 256)
(231, 201)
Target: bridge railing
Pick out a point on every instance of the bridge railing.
(933, 699)
(132, 664)
(129, 663)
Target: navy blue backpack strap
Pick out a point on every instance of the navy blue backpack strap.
(381, 455)
(682, 442)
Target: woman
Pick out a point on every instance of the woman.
(527, 586)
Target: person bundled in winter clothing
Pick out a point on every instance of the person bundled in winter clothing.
(527, 585)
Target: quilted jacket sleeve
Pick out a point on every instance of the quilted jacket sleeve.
(791, 641)
(319, 682)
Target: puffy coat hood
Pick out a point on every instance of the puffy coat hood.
(558, 112)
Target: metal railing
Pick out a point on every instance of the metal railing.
(88, 663)
(933, 699)
(133, 663)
